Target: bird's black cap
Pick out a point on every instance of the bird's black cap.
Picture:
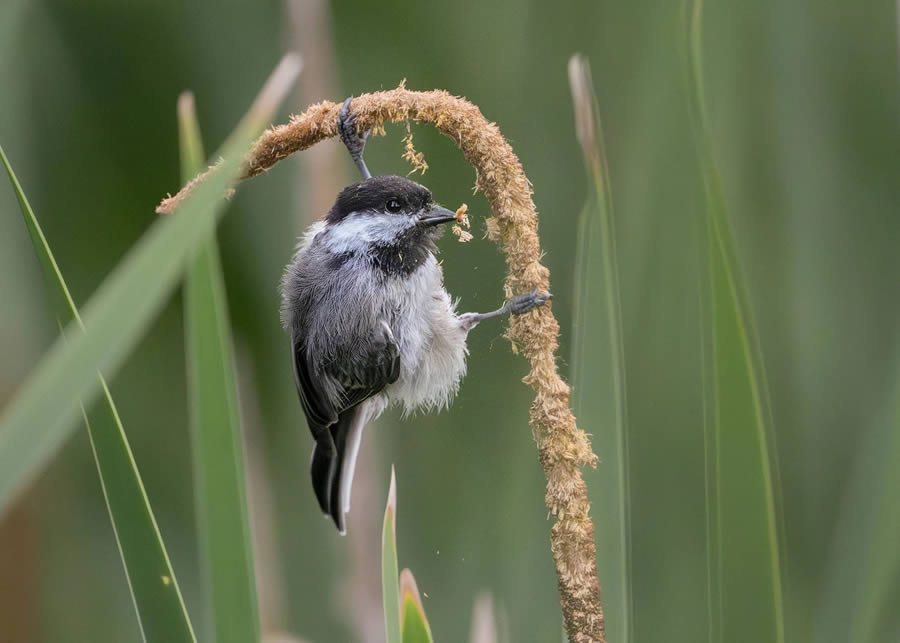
(375, 194)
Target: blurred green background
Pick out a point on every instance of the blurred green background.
(804, 103)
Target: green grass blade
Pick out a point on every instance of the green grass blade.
(40, 416)
(157, 599)
(414, 623)
(598, 361)
(865, 561)
(390, 592)
(63, 305)
(743, 494)
(221, 505)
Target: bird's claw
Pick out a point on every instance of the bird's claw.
(521, 304)
(353, 141)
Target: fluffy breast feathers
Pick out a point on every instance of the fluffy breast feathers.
(335, 302)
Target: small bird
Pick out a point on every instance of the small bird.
(370, 321)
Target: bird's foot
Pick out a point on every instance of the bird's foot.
(352, 140)
(521, 304)
(518, 305)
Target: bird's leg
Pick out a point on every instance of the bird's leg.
(354, 142)
(518, 305)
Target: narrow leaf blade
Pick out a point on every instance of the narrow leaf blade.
(389, 588)
(415, 627)
(160, 609)
(598, 361)
(221, 503)
(864, 565)
(743, 494)
(38, 419)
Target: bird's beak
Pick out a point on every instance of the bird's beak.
(436, 216)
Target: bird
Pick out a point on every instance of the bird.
(370, 322)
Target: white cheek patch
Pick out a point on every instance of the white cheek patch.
(361, 229)
(351, 233)
(386, 228)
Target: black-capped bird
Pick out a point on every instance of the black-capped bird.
(370, 322)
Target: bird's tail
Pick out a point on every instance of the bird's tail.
(323, 465)
(334, 462)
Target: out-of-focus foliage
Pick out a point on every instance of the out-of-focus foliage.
(404, 615)
(598, 358)
(223, 527)
(160, 608)
(744, 549)
(861, 593)
(114, 320)
(803, 99)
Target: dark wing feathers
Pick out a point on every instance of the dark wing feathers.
(357, 379)
(316, 405)
(361, 379)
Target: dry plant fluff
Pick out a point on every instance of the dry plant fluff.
(563, 448)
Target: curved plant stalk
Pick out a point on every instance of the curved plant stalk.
(562, 447)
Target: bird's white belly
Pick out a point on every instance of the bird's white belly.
(432, 341)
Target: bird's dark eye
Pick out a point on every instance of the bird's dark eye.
(393, 205)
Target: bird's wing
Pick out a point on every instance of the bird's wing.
(337, 425)
(320, 412)
(368, 372)
(358, 377)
